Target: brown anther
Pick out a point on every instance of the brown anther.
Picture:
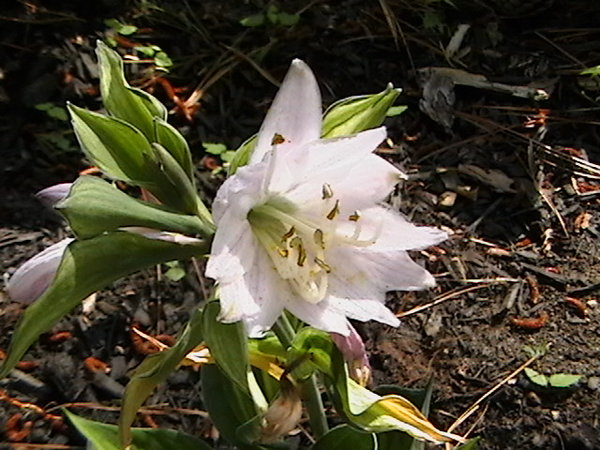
(301, 256)
(326, 192)
(283, 252)
(335, 211)
(289, 234)
(323, 265)
(531, 324)
(579, 306)
(277, 139)
(354, 216)
(94, 365)
(318, 237)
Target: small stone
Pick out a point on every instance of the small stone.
(593, 383)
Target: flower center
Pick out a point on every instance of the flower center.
(297, 246)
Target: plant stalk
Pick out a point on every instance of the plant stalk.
(310, 388)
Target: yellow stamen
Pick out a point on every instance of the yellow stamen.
(327, 192)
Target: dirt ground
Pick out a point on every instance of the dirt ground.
(501, 144)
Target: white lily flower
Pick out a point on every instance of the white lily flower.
(32, 278)
(302, 228)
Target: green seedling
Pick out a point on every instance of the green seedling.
(557, 380)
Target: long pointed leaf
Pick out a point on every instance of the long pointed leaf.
(102, 436)
(86, 267)
(154, 370)
(95, 206)
(121, 100)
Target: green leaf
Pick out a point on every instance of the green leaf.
(154, 370)
(122, 152)
(161, 59)
(173, 186)
(397, 440)
(175, 144)
(174, 272)
(355, 114)
(121, 100)
(103, 436)
(242, 155)
(591, 71)
(471, 444)
(228, 345)
(86, 267)
(536, 377)
(287, 20)
(95, 206)
(117, 148)
(394, 111)
(310, 351)
(214, 148)
(229, 407)
(255, 20)
(344, 437)
(563, 380)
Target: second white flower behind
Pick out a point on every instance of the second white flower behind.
(302, 227)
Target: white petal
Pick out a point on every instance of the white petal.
(393, 231)
(357, 177)
(295, 113)
(239, 193)
(233, 250)
(35, 275)
(359, 273)
(364, 310)
(237, 301)
(320, 316)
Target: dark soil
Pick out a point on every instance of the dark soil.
(513, 179)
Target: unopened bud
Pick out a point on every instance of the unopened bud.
(283, 414)
(35, 275)
(355, 355)
(54, 194)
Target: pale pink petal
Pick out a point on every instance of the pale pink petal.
(353, 350)
(295, 113)
(54, 194)
(35, 275)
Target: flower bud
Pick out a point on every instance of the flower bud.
(54, 194)
(353, 350)
(283, 414)
(33, 277)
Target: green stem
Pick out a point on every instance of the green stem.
(310, 388)
(314, 407)
(284, 331)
